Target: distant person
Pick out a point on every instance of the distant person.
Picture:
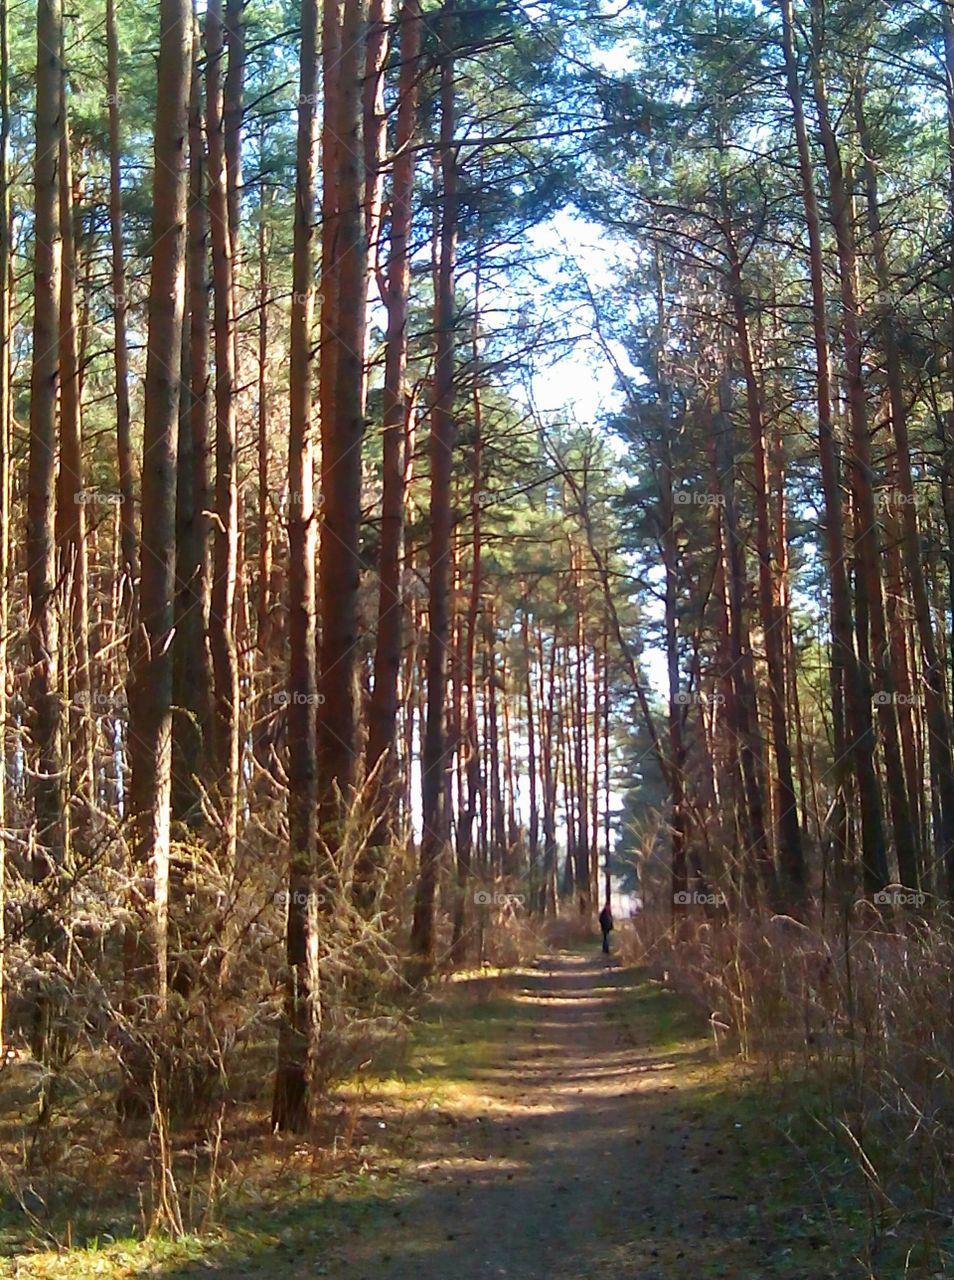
(606, 924)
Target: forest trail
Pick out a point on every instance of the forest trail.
(566, 1120)
(589, 1142)
(568, 1152)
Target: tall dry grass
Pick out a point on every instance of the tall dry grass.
(862, 1010)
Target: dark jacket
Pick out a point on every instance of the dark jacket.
(606, 919)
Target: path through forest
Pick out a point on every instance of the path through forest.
(570, 1159)
(563, 1121)
(590, 1141)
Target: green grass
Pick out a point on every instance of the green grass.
(648, 1010)
(284, 1208)
(789, 1166)
(781, 1174)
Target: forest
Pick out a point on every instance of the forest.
(472, 475)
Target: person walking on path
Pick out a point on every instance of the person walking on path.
(606, 924)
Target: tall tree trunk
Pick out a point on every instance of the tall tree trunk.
(498, 829)
(374, 131)
(607, 775)
(268, 595)
(788, 837)
(48, 779)
(150, 674)
(298, 1034)
(756, 867)
(670, 555)
(225, 741)
(442, 438)
(580, 760)
(938, 724)
(192, 659)
(470, 744)
(232, 105)
(344, 294)
(124, 453)
(868, 588)
(383, 705)
(71, 503)
(533, 781)
(265, 597)
(853, 734)
(547, 696)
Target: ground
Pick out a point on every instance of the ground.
(560, 1122)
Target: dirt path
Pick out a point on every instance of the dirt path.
(567, 1121)
(581, 1150)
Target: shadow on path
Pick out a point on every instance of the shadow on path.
(580, 1148)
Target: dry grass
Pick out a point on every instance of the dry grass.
(864, 1009)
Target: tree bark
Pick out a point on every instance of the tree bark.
(301, 1022)
(756, 867)
(868, 587)
(48, 780)
(442, 438)
(124, 452)
(938, 723)
(344, 296)
(71, 505)
(192, 660)
(853, 732)
(150, 675)
(791, 858)
(383, 705)
(225, 738)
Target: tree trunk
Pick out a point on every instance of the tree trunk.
(150, 674)
(547, 696)
(670, 555)
(791, 861)
(533, 818)
(344, 295)
(192, 660)
(442, 437)
(756, 867)
(124, 452)
(225, 738)
(383, 706)
(470, 744)
(71, 505)
(938, 724)
(298, 1034)
(853, 734)
(49, 783)
(868, 588)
